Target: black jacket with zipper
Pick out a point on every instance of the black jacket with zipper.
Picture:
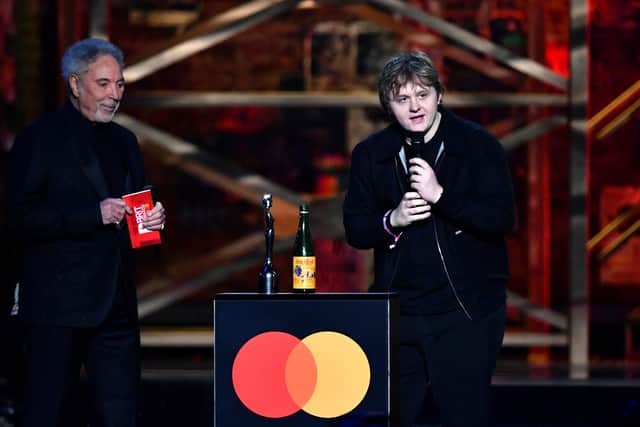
(471, 218)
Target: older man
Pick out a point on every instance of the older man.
(77, 301)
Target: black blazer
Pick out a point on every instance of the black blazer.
(70, 260)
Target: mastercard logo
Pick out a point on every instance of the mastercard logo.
(325, 374)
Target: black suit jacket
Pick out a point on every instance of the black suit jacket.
(71, 262)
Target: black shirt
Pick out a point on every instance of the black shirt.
(420, 276)
(111, 158)
(112, 161)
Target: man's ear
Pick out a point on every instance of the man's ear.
(74, 85)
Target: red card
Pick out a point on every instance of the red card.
(140, 203)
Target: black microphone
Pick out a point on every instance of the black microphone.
(411, 150)
(412, 142)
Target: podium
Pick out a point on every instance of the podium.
(322, 359)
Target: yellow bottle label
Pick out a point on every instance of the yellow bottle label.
(304, 272)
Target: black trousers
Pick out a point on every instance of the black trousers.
(53, 357)
(456, 357)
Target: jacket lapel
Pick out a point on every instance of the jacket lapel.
(90, 166)
(119, 144)
(83, 152)
(451, 166)
(386, 153)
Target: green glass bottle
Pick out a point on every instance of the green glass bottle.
(304, 259)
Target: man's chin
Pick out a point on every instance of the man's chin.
(417, 128)
(104, 118)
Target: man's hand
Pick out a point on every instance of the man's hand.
(113, 210)
(155, 218)
(411, 208)
(424, 180)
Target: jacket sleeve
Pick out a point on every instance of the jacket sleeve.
(362, 215)
(30, 214)
(488, 210)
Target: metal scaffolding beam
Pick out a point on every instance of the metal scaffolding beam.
(481, 65)
(531, 131)
(218, 172)
(475, 43)
(197, 337)
(218, 29)
(578, 167)
(193, 99)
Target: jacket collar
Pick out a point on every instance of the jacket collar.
(452, 131)
(391, 137)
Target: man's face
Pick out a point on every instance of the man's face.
(415, 106)
(98, 91)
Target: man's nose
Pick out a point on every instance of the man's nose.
(114, 91)
(413, 104)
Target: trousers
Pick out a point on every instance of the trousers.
(53, 359)
(456, 357)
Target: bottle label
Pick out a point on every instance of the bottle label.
(304, 272)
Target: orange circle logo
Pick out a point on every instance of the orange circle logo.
(326, 374)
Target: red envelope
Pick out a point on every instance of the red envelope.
(140, 203)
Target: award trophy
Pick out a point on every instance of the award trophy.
(268, 279)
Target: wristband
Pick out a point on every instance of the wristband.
(396, 237)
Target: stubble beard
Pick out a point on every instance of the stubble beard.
(103, 117)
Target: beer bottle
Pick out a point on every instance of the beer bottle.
(304, 260)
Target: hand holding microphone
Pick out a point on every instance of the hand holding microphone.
(423, 180)
(420, 173)
(413, 207)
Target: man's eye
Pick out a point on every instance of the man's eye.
(423, 95)
(401, 99)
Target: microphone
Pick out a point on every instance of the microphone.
(412, 142)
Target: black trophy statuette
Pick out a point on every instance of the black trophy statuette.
(268, 279)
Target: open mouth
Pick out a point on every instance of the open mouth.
(416, 119)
